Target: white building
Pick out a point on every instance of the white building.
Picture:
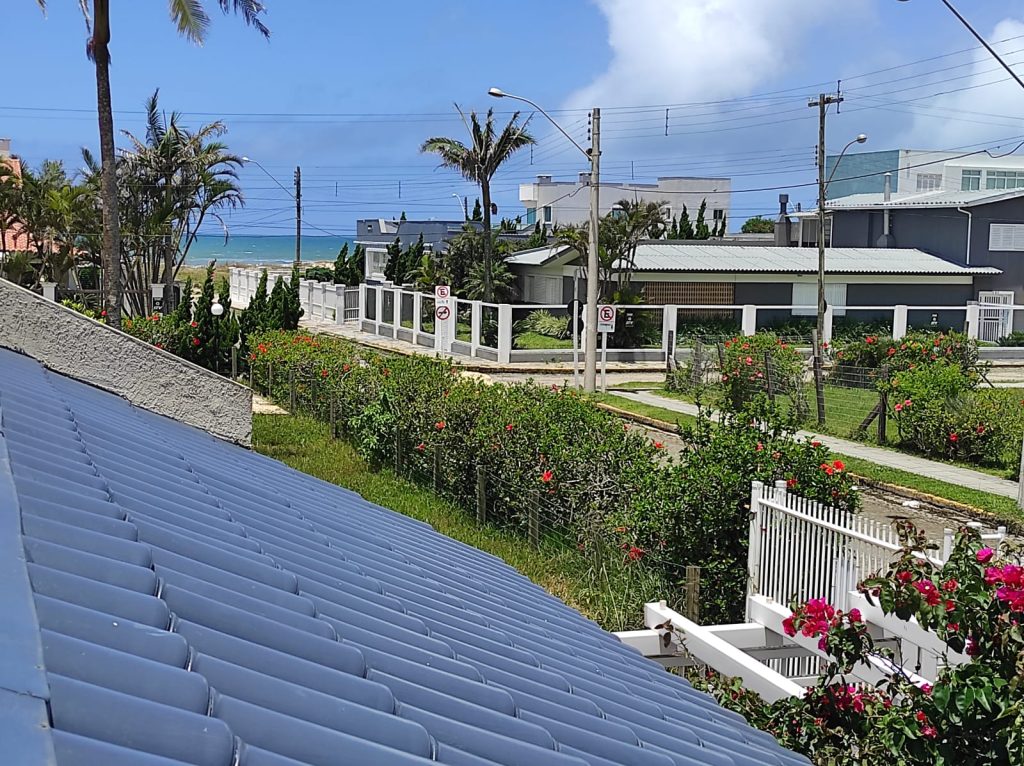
(919, 170)
(568, 202)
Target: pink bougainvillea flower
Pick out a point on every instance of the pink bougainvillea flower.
(790, 482)
(749, 360)
(891, 351)
(191, 324)
(904, 576)
(547, 476)
(827, 468)
(870, 339)
(950, 585)
(839, 465)
(420, 447)
(324, 373)
(634, 553)
(103, 313)
(898, 408)
(509, 427)
(195, 341)
(345, 368)
(929, 732)
(439, 425)
(984, 555)
(659, 445)
(759, 447)
(953, 437)
(979, 430)
(815, 444)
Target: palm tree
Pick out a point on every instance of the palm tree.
(478, 162)
(193, 22)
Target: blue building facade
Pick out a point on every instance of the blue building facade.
(872, 165)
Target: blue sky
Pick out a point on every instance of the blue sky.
(349, 90)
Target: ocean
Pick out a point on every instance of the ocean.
(273, 249)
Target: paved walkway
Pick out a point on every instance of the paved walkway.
(951, 474)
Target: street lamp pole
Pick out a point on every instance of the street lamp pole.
(295, 195)
(463, 206)
(593, 264)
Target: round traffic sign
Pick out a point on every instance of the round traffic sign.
(443, 312)
(442, 291)
(607, 314)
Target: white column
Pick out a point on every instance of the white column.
(826, 327)
(417, 313)
(379, 314)
(363, 290)
(50, 291)
(973, 320)
(899, 322)
(668, 329)
(754, 546)
(749, 320)
(476, 309)
(504, 333)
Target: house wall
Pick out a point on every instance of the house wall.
(74, 345)
(870, 164)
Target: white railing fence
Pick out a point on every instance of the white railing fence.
(323, 301)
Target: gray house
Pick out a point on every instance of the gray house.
(981, 228)
(729, 275)
(375, 234)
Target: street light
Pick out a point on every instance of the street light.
(981, 40)
(216, 309)
(295, 195)
(463, 206)
(593, 269)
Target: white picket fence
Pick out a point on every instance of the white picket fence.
(319, 300)
(800, 550)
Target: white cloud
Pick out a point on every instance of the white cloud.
(671, 51)
(973, 114)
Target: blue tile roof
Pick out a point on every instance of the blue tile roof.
(175, 599)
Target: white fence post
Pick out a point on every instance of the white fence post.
(973, 320)
(826, 329)
(899, 322)
(754, 549)
(364, 289)
(749, 321)
(476, 310)
(50, 291)
(339, 304)
(504, 333)
(379, 313)
(417, 315)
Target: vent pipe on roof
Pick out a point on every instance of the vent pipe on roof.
(783, 226)
(886, 240)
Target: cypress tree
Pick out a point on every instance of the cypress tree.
(393, 265)
(340, 265)
(478, 211)
(277, 306)
(685, 227)
(183, 313)
(255, 316)
(701, 230)
(201, 345)
(293, 304)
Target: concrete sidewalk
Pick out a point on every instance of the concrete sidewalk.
(951, 474)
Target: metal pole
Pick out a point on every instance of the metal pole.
(822, 107)
(604, 362)
(575, 330)
(593, 271)
(298, 214)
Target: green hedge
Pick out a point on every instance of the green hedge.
(598, 482)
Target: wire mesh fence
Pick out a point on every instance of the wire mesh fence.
(611, 574)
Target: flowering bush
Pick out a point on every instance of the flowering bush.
(594, 479)
(748, 361)
(973, 712)
(915, 350)
(938, 411)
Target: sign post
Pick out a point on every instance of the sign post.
(444, 311)
(605, 325)
(574, 307)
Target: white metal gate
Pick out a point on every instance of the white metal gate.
(995, 322)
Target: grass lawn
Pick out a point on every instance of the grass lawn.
(639, 408)
(534, 340)
(611, 595)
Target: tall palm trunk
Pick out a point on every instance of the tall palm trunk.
(113, 299)
(485, 192)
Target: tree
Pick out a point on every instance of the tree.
(402, 217)
(478, 214)
(758, 225)
(673, 229)
(685, 227)
(622, 231)
(10, 186)
(429, 273)
(700, 229)
(277, 305)
(478, 162)
(341, 265)
(293, 303)
(202, 347)
(192, 21)
(538, 238)
(255, 317)
(393, 266)
(724, 227)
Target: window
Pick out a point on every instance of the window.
(541, 289)
(1004, 179)
(717, 214)
(805, 295)
(929, 181)
(547, 214)
(1006, 236)
(378, 259)
(531, 216)
(970, 180)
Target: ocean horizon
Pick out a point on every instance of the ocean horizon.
(268, 249)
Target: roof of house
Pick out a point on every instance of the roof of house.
(731, 259)
(170, 598)
(938, 198)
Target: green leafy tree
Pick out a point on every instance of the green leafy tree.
(255, 317)
(192, 21)
(356, 267)
(700, 229)
(393, 266)
(685, 226)
(402, 217)
(340, 265)
(293, 304)
(201, 344)
(538, 238)
(723, 226)
(478, 213)
(478, 162)
(673, 228)
(183, 311)
(758, 225)
(277, 305)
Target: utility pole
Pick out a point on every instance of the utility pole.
(822, 102)
(593, 270)
(298, 214)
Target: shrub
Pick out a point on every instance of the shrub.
(543, 322)
(908, 353)
(99, 315)
(973, 605)
(319, 274)
(591, 477)
(747, 363)
(1015, 338)
(938, 411)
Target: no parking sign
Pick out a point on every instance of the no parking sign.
(605, 318)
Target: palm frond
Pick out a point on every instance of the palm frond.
(191, 19)
(251, 10)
